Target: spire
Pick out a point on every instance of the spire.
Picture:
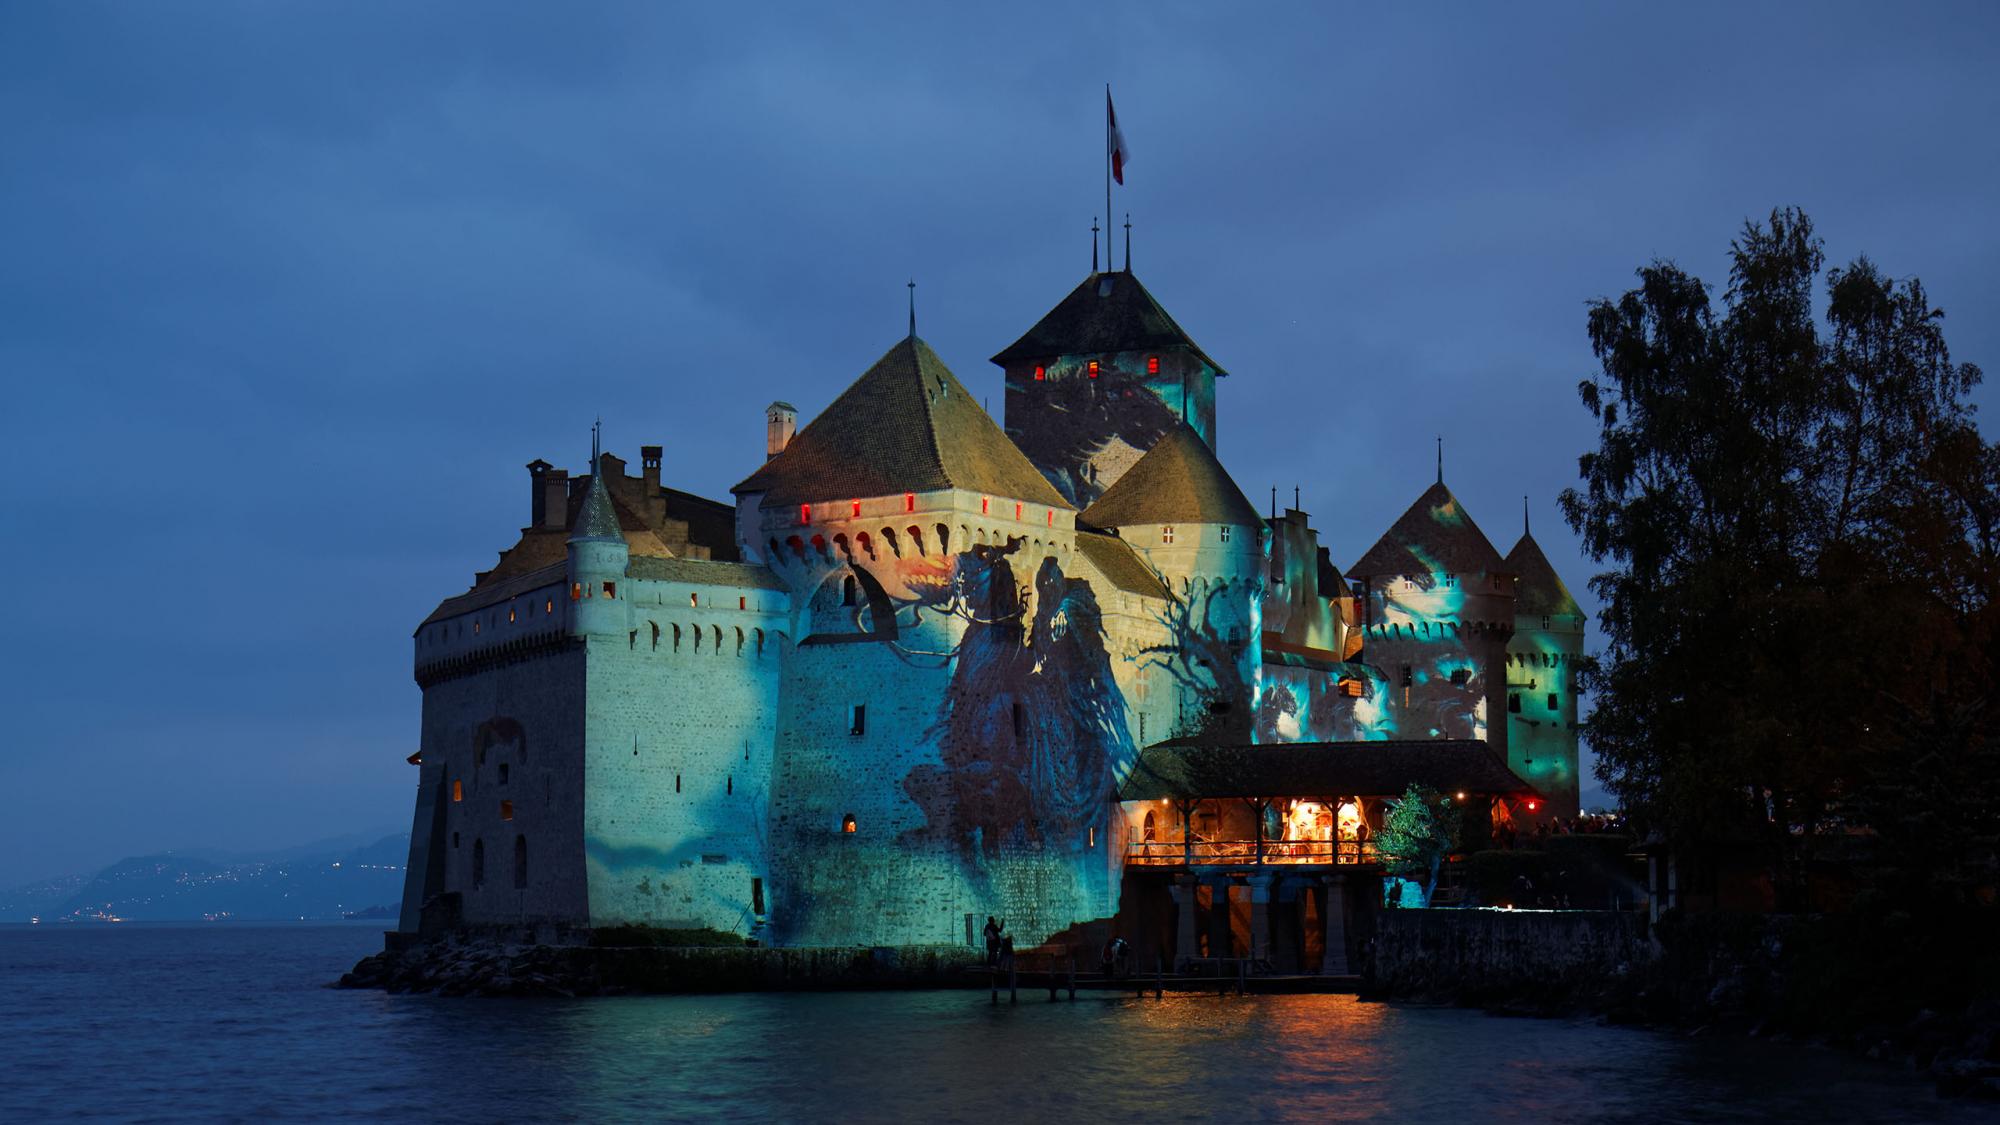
(913, 308)
(599, 518)
(1440, 458)
(1093, 244)
(1128, 242)
(1524, 517)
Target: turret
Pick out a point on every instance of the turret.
(1541, 677)
(598, 556)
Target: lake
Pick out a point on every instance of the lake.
(167, 1022)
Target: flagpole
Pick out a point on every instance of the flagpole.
(1109, 266)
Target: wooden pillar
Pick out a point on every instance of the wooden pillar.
(1334, 962)
(1185, 943)
(1260, 915)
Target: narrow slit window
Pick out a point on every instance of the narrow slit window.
(457, 789)
(506, 810)
(520, 863)
(909, 501)
(1093, 369)
(857, 717)
(1553, 703)
(847, 825)
(611, 589)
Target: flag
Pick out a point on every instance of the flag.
(1114, 138)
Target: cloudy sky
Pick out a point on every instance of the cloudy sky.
(289, 293)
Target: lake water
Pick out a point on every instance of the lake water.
(234, 1022)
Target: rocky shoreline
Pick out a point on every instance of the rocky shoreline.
(496, 968)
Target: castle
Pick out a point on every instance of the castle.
(925, 669)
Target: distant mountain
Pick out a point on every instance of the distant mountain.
(171, 887)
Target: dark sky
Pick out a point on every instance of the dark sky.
(290, 293)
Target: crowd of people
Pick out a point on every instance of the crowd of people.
(1506, 837)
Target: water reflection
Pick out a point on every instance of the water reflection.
(215, 1023)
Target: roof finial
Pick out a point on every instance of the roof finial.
(1093, 244)
(595, 428)
(1295, 499)
(1128, 242)
(1274, 501)
(1524, 515)
(1440, 458)
(913, 308)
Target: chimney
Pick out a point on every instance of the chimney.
(649, 467)
(781, 419)
(548, 495)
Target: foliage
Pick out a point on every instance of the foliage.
(1419, 831)
(1800, 524)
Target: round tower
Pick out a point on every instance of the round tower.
(598, 556)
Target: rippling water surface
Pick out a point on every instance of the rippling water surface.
(165, 1022)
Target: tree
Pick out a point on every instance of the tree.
(1799, 521)
(1417, 834)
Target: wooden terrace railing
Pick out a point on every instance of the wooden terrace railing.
(1250, 853)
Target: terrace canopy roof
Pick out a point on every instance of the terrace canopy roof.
(1190, 771)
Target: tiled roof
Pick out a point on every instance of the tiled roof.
(1318, 769)
(1435, 536)
(906, 425)
(495, 592)
(1121, 565)
(1109, 312)
(1177, 481)
(1541, 592)
(701, 572)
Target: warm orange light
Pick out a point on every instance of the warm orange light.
(1152, 365)
(1531, 806)
(1093, 369)
(857, 509)
(909, 501)
(1461, 794)
(805, 513)
(457, 789)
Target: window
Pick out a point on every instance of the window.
(847, 825)
(677, 783)
(457, 789)
(1461, 675)
(503, 773)
(1091, 841)
(454, 839)
(1152, 365)
(742, 602)
(611, 589)
(548, 605)
(576, 591)
(857, 509)
(729, 786)
(847, 588)
(694, 601)
(475, 628)
(1020, 721)
(1225, 533)
(756, 896)
(510, 615)
(1093, 369)
(520, 863)
(857, 719)
(1553, 702)
(1407, 678)
(909, 501)
(1150, 829)
(985, 505)
(478, 864)
(1167, 533)
(1041, 373)
(1052, 517)
(1514, 703)
(506, 810)
(805, 513)
(1017, 509)
(1545, 622)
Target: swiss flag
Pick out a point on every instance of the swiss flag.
(1115, 139)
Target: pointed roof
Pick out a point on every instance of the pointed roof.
(599, 518)
(1541, 592)
(906, 425)
(1177, 481)
(1109, 312)
(1436, 536)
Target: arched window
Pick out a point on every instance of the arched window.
(718, 639)
(944, 539)
(895, 548)
(520, 863)
(847, 825)
(677, 638)
(760, 642)
(819, 544)
(1148, 832)
(848, 588)
(656, 635)
(866, 544)
(739, 640)
(478, 864)
(917, 540)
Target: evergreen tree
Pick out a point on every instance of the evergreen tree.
(1416, 836)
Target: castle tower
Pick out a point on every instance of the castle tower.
(598, 557)
(1437, 612)
(1541, 678)
(1178, 507)
(1099, 380)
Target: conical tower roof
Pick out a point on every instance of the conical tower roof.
(1541, 592)
(906, 425)
(1177, 481)
(1109, 312)
(1436, 536)
(598, 519)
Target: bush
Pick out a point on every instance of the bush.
(654, 936)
